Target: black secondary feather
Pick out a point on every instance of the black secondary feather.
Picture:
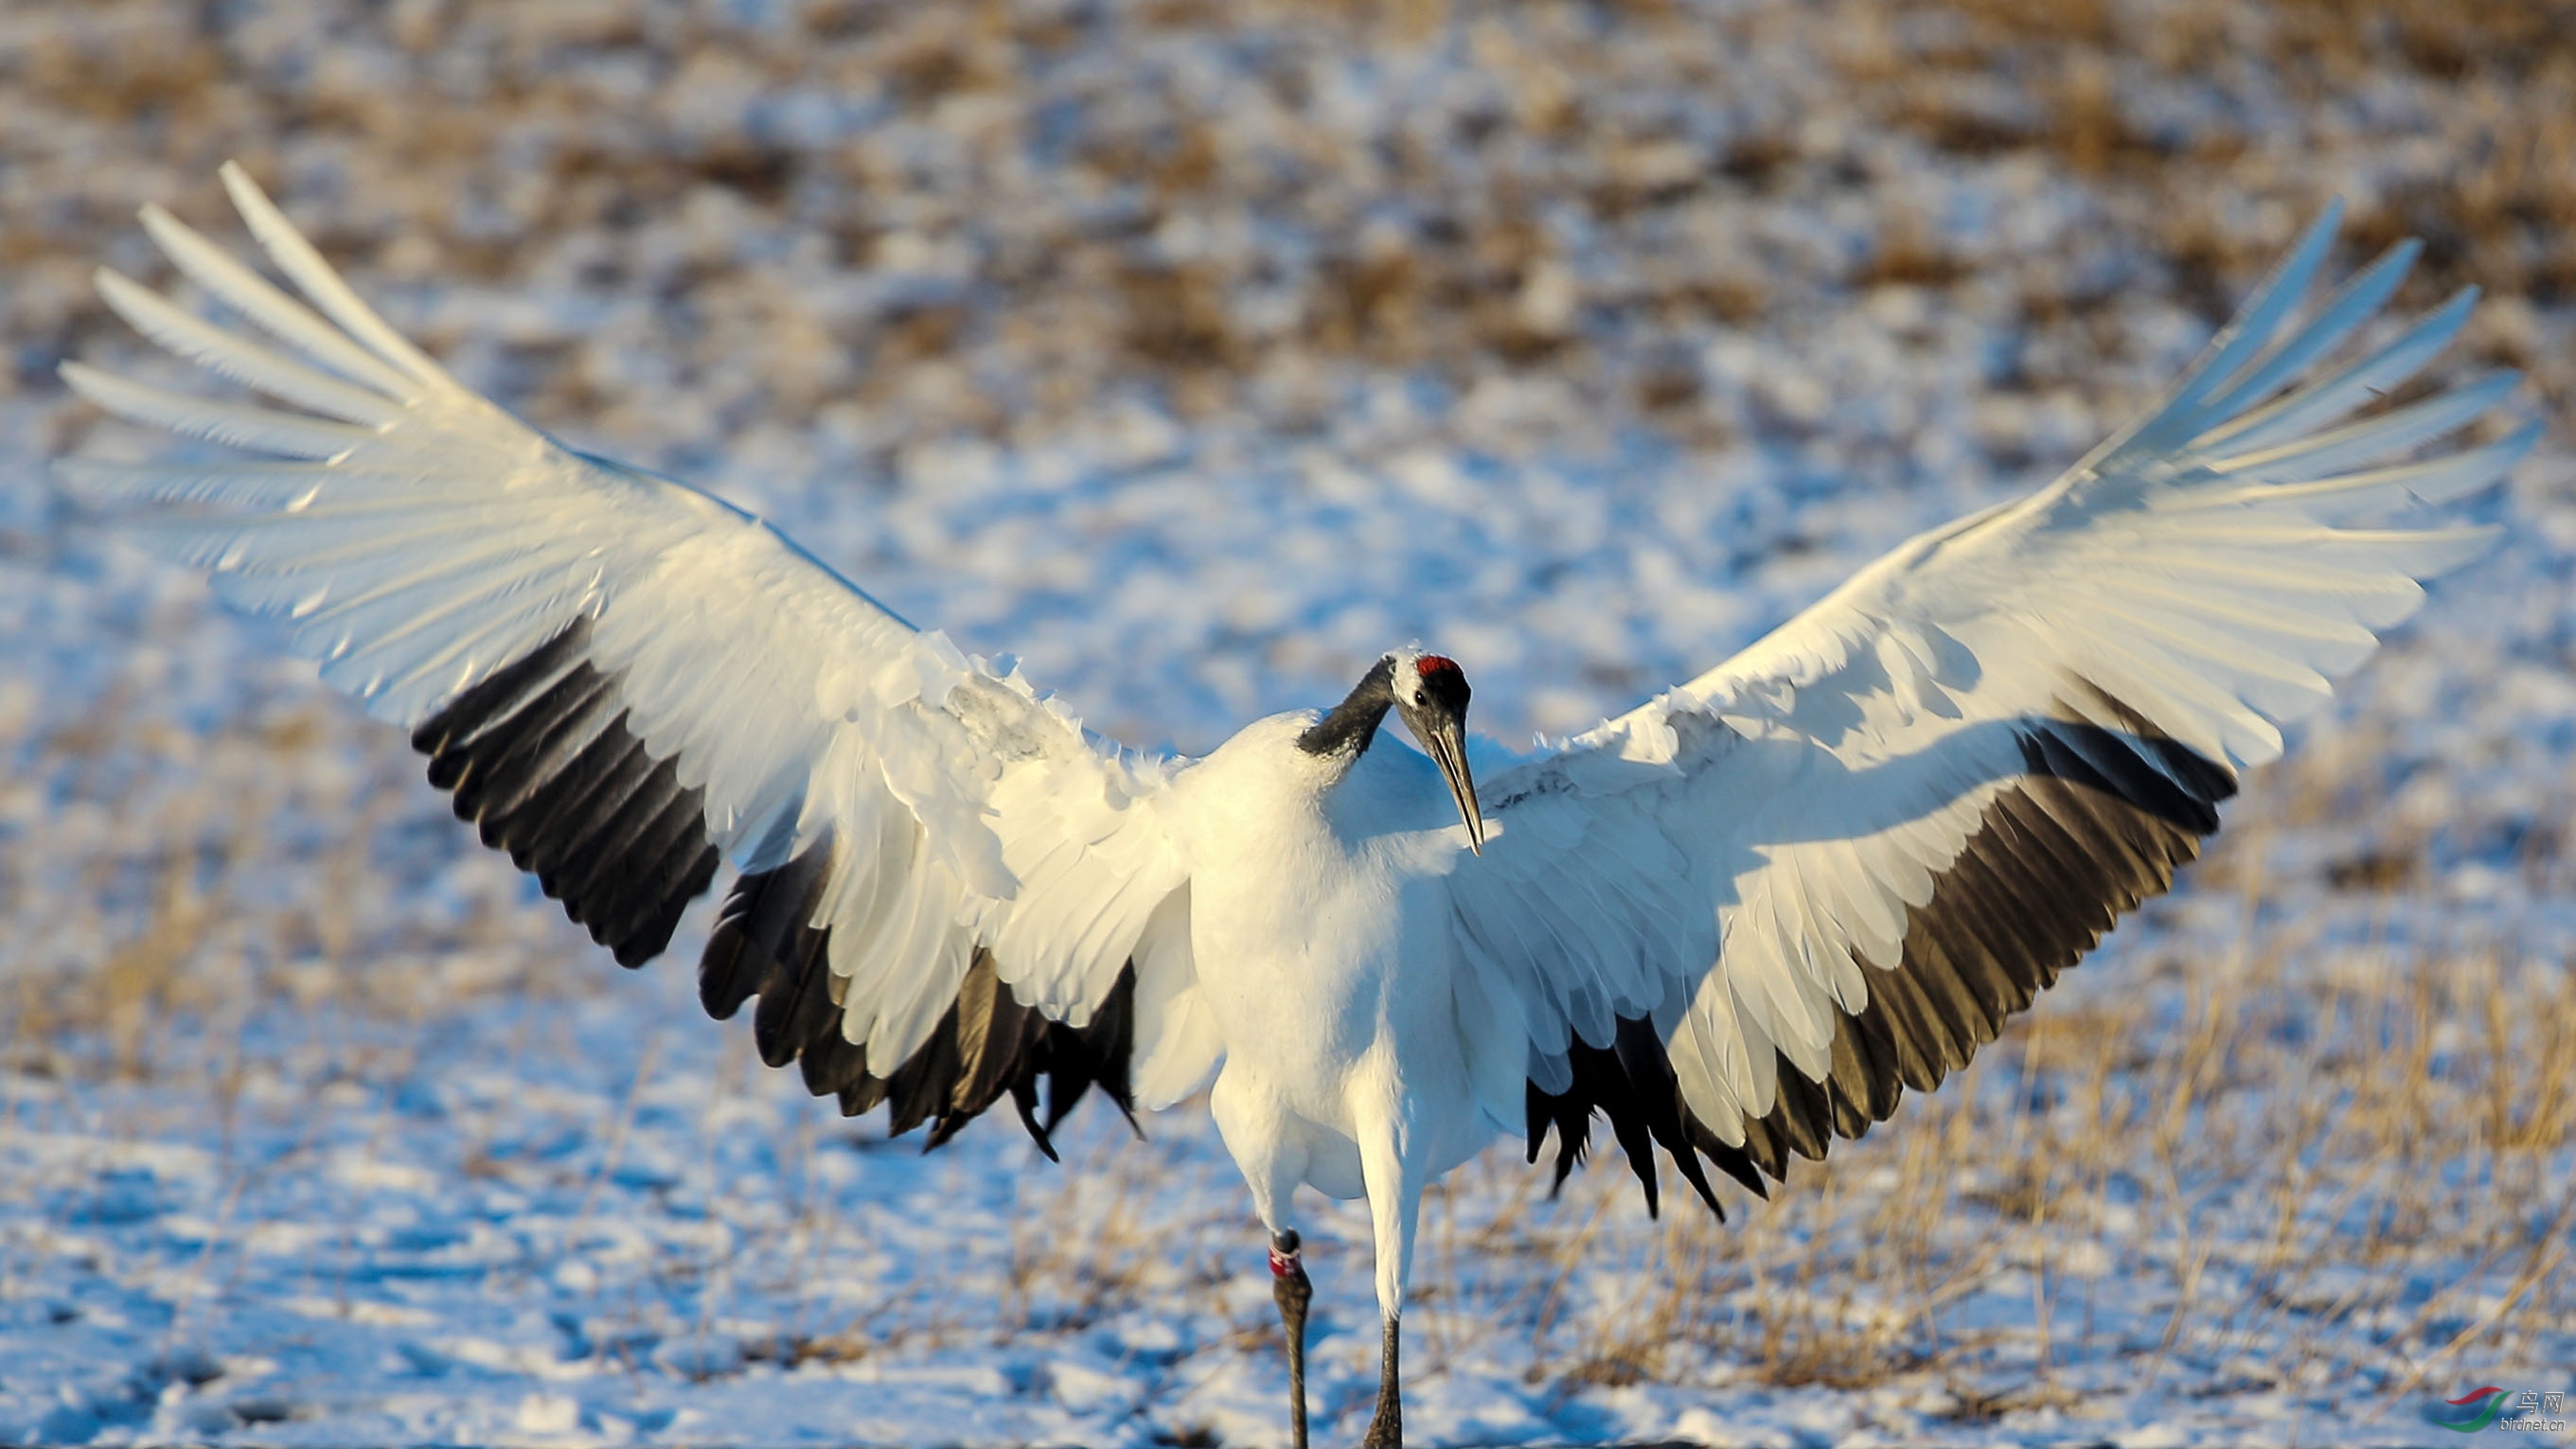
(986, 1045)
(2100, 820)
(539, 757)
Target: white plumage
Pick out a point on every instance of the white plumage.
(1738, 920)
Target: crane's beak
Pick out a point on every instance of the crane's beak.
(1446, 741)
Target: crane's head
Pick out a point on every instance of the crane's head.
(1430, 692)
(1431, 695)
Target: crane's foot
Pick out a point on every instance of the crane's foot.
(1289, 1288)
(1386, 1426)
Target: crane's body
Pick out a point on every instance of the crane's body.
(1738, 921)
(1325, 891)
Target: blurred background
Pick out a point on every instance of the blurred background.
(944, 257)
(1195, 353)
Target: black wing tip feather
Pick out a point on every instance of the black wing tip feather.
(986, 1046)
(2100, 821)
(537, 756)
(1631, 1082)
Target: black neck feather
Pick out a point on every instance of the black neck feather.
(1353, 723)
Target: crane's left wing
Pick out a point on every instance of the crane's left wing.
(948, 889)
(1743, 917)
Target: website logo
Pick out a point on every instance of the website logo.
(2472, 1411)
(2491, 1407)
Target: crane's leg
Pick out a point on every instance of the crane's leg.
(1288, 1286)
(1386, 1426)
(1395, 1205)
(1267, 1144)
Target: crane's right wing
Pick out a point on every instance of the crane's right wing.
(1743, 917)
(948, 889)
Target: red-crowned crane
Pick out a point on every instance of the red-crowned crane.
(1739, 920)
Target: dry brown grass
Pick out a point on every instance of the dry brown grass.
(2478, 160)
(1436, 245)
(2278, 1105)
(205, 873)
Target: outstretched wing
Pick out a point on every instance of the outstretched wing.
(948, 889)
(1746, 915)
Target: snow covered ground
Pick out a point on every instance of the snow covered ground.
(1195, 354)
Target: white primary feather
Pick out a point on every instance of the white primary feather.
(1769, 826)
(428, 539)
